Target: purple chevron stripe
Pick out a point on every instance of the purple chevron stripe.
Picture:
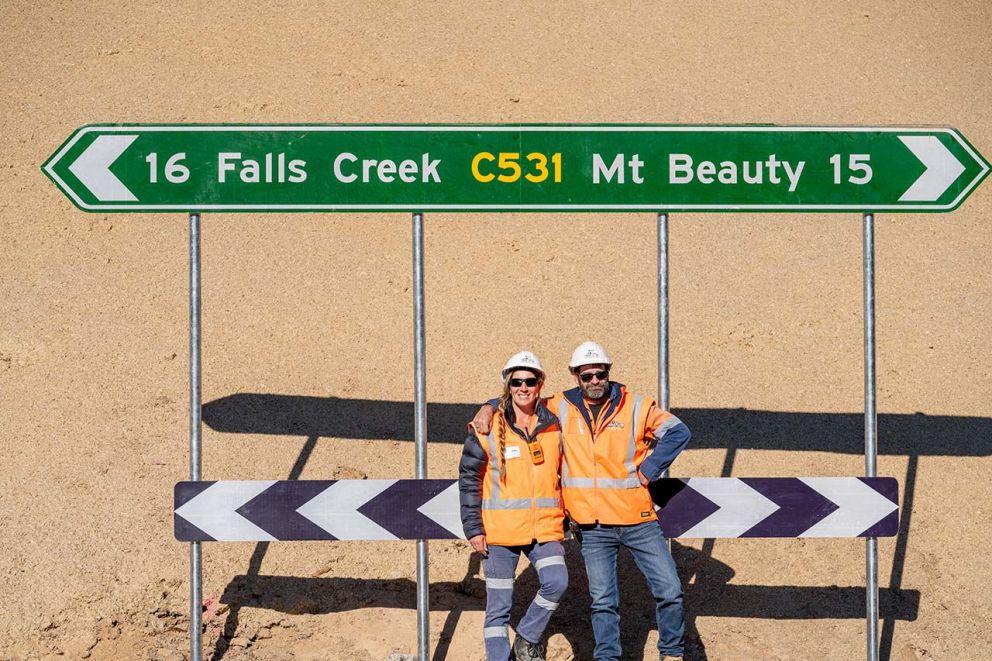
(887, 486)
(682, 507)
(395, 509)
(187, 491)
(185, 531)
(887, 527)
(800, 507)
(274, 510)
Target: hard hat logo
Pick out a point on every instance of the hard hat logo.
(589, 353)
(524, 360)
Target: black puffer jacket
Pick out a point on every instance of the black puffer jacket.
(471, 470)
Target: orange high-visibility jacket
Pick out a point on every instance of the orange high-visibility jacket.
(600, 460)
(527, 505)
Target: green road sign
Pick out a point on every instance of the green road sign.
(515, 168)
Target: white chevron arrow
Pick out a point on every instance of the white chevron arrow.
(335, 509)
(859, 507)
(943, 168)
(444, 509)
(92, 168)
(741, 507)
(213, 510)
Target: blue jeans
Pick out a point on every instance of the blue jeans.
(500, 568)
(645, 541)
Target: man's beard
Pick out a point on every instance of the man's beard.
(595, 392)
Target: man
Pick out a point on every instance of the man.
(615, 443)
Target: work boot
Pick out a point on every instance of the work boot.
(525, 650)
(671, 658)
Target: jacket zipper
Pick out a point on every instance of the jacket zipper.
(595, 461)
(527, 438)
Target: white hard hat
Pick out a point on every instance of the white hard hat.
(523, 360)
(589, 353)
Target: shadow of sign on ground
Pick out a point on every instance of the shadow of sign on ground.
(899, 434)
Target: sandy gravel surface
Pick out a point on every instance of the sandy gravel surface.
(766, 327)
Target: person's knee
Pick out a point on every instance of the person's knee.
(498, 604)
(554, 582)
(604, 594)
(667, 592)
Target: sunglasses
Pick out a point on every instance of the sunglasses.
(587, 376)
(516, 383)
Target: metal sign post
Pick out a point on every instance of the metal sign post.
(420, 428)
(663, 312)
(195, 573)
(663, 390)
(871, 447)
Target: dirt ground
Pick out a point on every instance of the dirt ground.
(766, 321)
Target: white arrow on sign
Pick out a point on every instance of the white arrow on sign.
(741, 507)
(213, 511)
(92, 168)
(859, 507)
(335, 509)
(444, 509)
(943, 168)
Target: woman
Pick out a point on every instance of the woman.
(511, 504)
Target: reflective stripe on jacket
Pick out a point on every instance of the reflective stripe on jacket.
(600, 461)
(527, 505)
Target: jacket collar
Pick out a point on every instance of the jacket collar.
(574, 396)
(545, 419)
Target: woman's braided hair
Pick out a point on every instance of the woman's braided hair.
(504, 404)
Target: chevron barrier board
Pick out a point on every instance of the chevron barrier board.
(327, 167)
(300, 510)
